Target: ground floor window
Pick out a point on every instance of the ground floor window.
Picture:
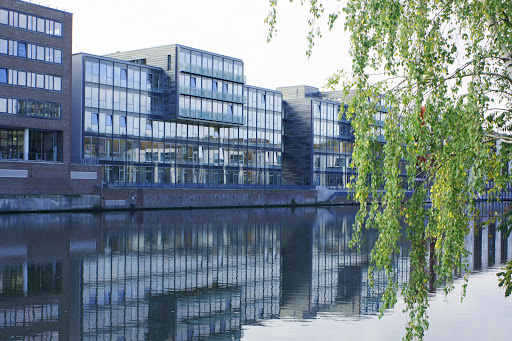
(178, 174)
(11, 144)
(42, 146)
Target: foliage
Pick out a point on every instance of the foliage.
(506, 279)
(506, 275)
(444, 73)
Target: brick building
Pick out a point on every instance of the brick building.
(35, 102)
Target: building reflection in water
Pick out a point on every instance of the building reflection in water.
(190, 275)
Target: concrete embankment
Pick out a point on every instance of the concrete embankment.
(200, 198)
(127, 199)
(118, 199)
(41, 203)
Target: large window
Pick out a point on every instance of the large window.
(184, 56)
(228, 66)
(217, 63)
(3, 76)
(207, 61)
(261, 103)
(92, 71)
(238, 69)
(195, 58)
(29, 108)
(91, 96)
(22, 50)
(11, 144)
(4, 17)
(4, 43)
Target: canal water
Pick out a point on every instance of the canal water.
(241, 274)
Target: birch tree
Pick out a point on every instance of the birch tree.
(444, 73)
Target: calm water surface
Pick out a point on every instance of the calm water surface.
(251, 274)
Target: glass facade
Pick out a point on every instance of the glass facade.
(124, 131)
(263, 134)
(210, 87)
(333, 142)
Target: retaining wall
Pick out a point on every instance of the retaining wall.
(40, 179)
(196, 198)
(27, 203)
(112, 199)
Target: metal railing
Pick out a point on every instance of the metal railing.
(92, 161)
(199, 70)
(11, 156)
(203, 185)
(210, 116)
(43, 157)
(187, 90)
(37, 157)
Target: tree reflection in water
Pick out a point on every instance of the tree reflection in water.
(189, 275)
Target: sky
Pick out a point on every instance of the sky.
(234, 28)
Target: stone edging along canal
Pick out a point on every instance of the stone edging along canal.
(144, 199)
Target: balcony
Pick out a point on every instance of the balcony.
(86, 160)
(198, 70)
(186, 90)
(210, 116)
(43, 157)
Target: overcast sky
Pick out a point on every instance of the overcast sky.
(230, 27)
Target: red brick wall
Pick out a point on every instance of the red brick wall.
(47, 178)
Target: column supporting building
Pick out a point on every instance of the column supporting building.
(26, 144)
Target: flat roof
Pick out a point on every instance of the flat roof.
(181, 46)
(43, 6)
(260, 88)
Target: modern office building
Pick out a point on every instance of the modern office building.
(318, 140)
(35, 99)
(114, 109)
(172, 116)
(168, 116)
